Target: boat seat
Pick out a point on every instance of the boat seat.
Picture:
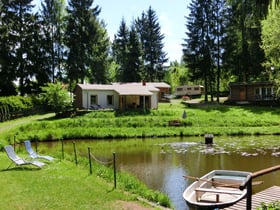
(220, 191)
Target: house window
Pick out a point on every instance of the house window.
(93, 99)
(110, 100)
(263, 91)
(269, 91)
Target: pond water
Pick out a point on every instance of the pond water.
(162, 163)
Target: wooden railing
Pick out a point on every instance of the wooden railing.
(248, 184)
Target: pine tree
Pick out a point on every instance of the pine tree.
(134, 69)
(152, 45)
(6, 71)
(99, 63)
(21, 42)
(120, 49)
(82, 37)
(198, 45)
(52, 16)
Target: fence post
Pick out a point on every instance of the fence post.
(89, 159)
(62, 149)
(75, 153)
(115, 177)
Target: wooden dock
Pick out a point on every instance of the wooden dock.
(267, 196)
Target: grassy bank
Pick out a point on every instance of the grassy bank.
(63, 185)
(201, 118)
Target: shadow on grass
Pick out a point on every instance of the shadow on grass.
(20, 168)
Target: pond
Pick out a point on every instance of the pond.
(162, 163)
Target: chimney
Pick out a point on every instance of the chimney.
(143, 82)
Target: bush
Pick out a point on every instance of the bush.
(271, 206)
(14, 106)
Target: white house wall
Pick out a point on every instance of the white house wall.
(101, 98)
(154, 100)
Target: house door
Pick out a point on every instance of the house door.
(242, 94)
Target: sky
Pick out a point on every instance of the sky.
(171, 16)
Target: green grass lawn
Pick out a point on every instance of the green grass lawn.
(58, 185)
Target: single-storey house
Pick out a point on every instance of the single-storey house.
(164, 89)
(251, 92)
(116, 96)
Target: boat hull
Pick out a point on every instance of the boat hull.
(217, 189)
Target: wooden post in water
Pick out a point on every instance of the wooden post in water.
(89, 160)
(208, 139)
(114, 163)
(75, 153)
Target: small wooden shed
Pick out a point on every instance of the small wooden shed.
(251, 91)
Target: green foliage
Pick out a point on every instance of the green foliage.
(20, 51)
(270, 40)
(12, 105)
(177, 75)
(56, 97)
(270, 206)
(151, 39)
(87, 42)
(52, 17)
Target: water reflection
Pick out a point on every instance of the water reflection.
(162, 163)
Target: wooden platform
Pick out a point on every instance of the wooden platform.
(268, 195)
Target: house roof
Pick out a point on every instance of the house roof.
(95, 87)
(158, 84)
(154, 84)
(251, 83)
(123, 89)
(133, 90)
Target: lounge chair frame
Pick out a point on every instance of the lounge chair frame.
(33, 154)
(18, 160)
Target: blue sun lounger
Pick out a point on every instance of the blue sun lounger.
(18, 160)
(33, 154)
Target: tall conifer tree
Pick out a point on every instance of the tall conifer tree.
(21, 42)
(82, 37)
(120, 49)
(152, 45)
(52, 22)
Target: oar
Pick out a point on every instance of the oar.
(265, 171)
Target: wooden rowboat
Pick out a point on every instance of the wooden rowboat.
(217, 189)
